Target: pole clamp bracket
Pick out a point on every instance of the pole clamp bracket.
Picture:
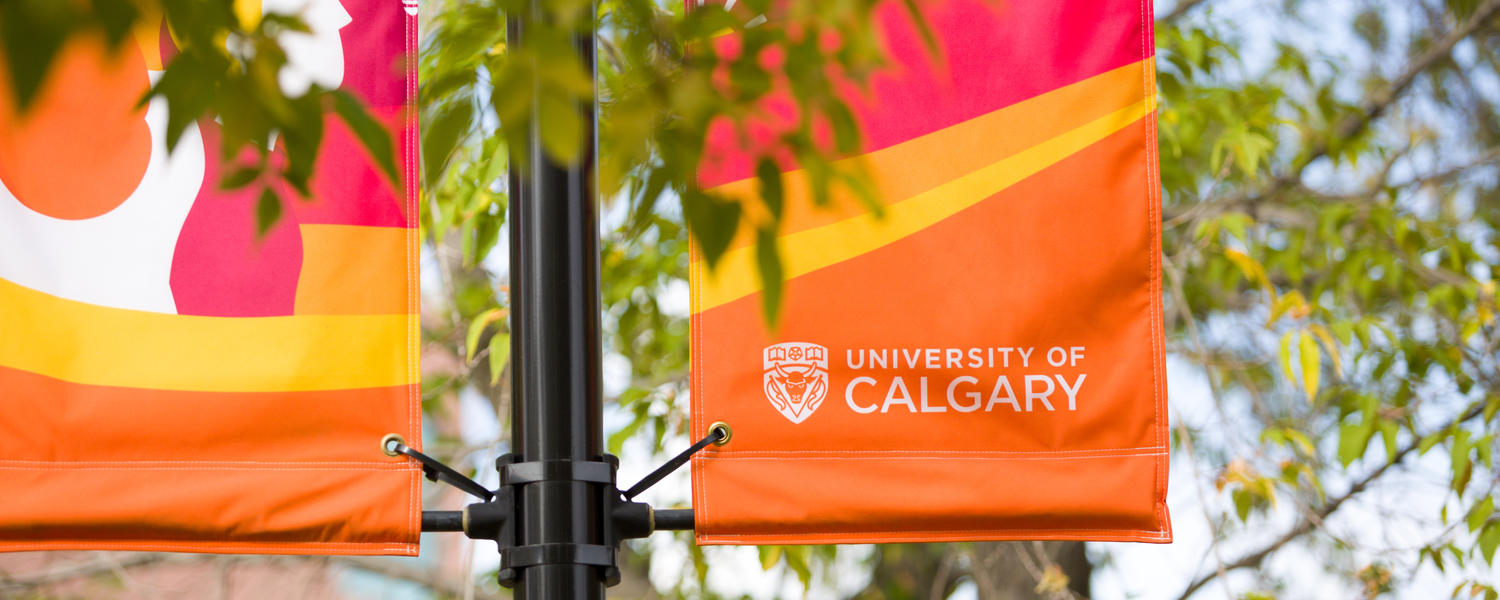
(519, 557)
(515, 476)
(522, 473)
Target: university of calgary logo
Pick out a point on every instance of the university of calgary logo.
(796, 378)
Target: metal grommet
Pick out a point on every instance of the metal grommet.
(390, 442)
(728, 433)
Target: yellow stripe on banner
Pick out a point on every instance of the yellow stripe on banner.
(809, 250)
(85, 343)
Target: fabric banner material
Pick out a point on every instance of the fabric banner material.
(170, 379)
(984, 361)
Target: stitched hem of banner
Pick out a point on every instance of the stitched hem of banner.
(342, 548)
(368, 548)
(1163, 535)
(410, 23)
(994, 535)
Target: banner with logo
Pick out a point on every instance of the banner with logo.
(170, 379)
(983, 362)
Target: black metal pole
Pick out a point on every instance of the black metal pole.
(554, 293)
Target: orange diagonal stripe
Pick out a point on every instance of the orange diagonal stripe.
(907, 169)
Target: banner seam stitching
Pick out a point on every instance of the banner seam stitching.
(413, 218)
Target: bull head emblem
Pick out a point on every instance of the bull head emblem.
(796, 378)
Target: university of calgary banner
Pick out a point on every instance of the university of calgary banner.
(986, 360)
(169, 380)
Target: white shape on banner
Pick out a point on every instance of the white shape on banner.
(796, 378)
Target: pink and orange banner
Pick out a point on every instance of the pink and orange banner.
(985, 360)
(170, 379)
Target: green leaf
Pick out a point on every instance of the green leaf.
(846, 136)
(486, 235)
(1353, 439)
(300, 141)
(1253, 270)
(1343, 331)
(499, 355)
(31, 35)
(772, 280)
(796, 560)
(1242, 504)
(929, 38)
(1301, 442)
(1252, 148)
(496, 165)
(1430, 441)
(1284, 303)
(1388, 430)
(510, 106)
(1285, 353)
(441, 135)
(771, 192)
(1458, 455)
(617, 439)
(1307, 351)
(372, 135)
(1489, 540)
(267, 211)
(712, 222)
(562, 130)
(182, 84)
(1329, 346)
(560, 66)
(279, 22)
(476, 329)
(769, 556)
(1480, 513)
(859, 184)
(239, 178)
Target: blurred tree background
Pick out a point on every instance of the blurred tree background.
(1331, 199)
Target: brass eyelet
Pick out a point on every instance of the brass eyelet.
(390, 443)
(728, 432)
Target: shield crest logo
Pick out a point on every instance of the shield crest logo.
(796, 378)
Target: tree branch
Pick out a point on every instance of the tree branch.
(1376, 106)
(1489, 158)
(1312, 520)
(1372, 108)
(81, 570)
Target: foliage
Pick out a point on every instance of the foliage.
(1329, 249)
(663, 83)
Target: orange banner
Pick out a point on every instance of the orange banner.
(171, 380)
(983, 362)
